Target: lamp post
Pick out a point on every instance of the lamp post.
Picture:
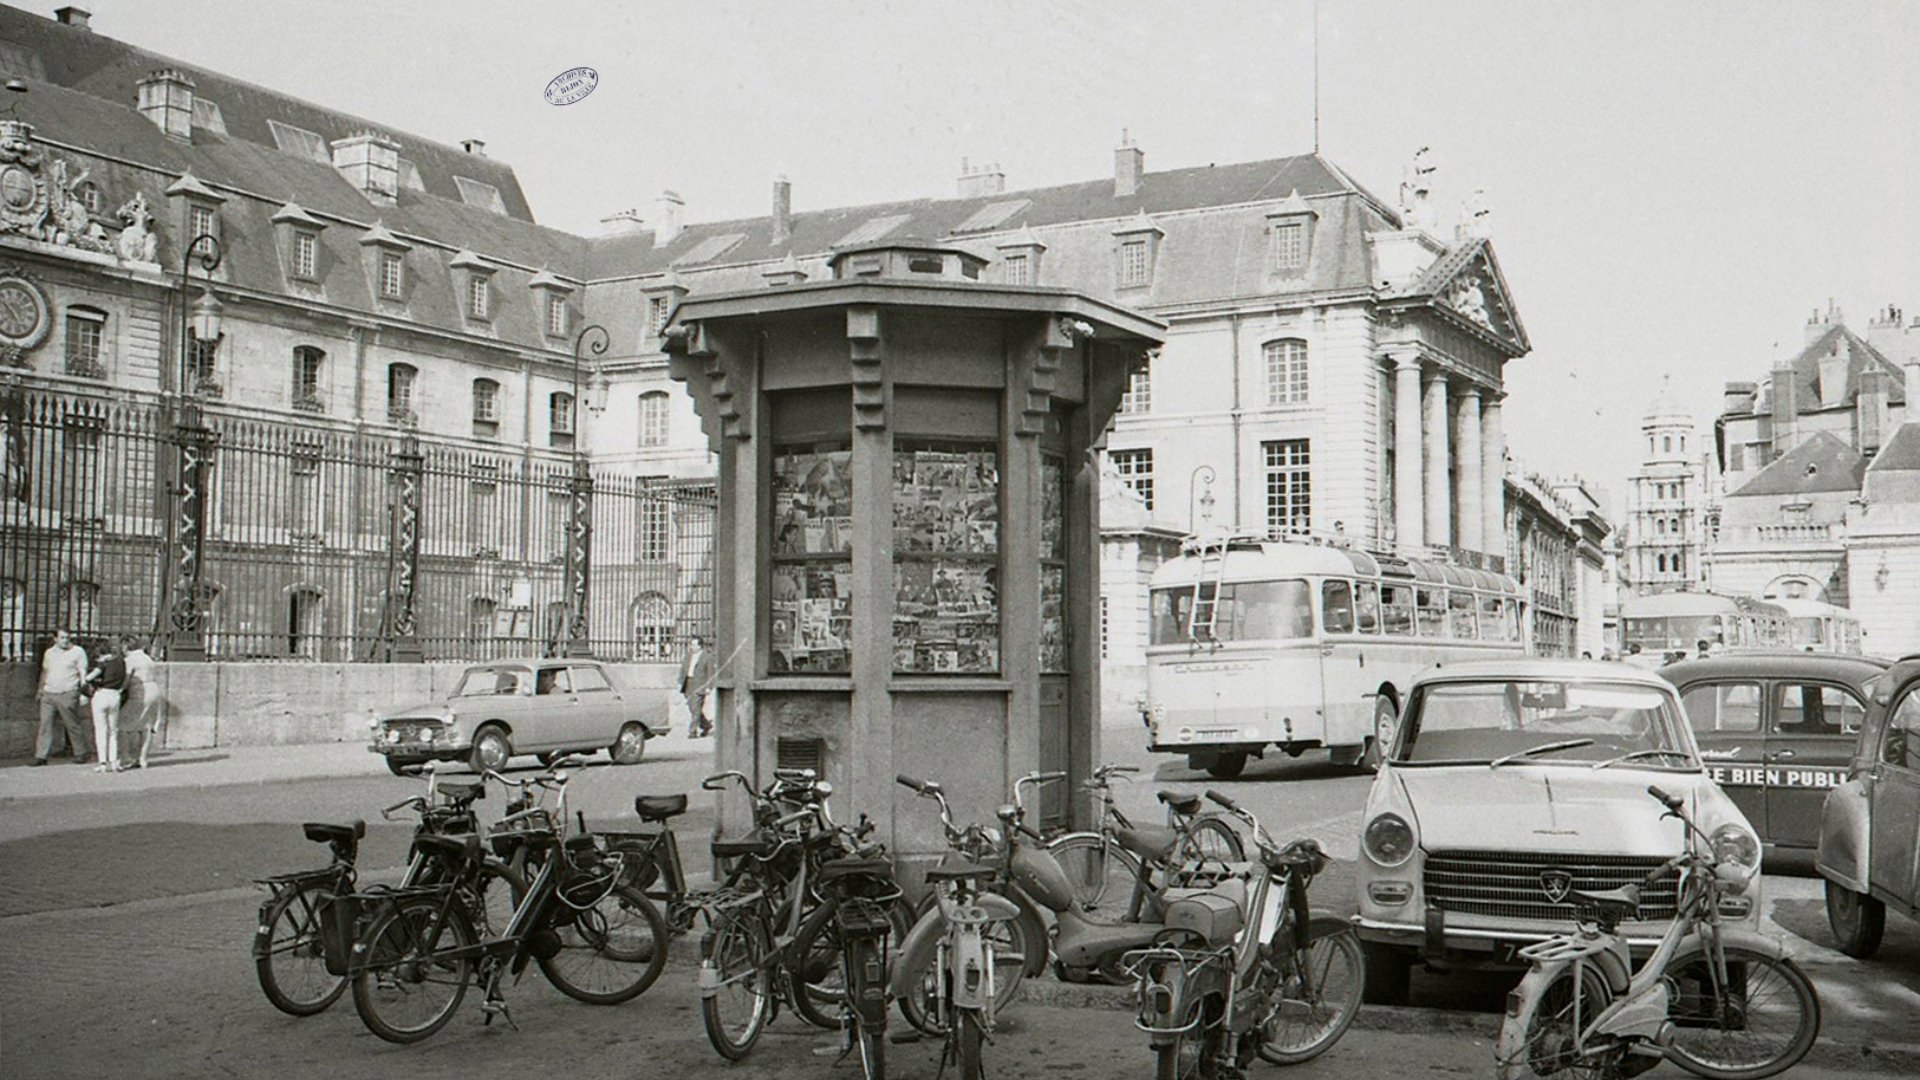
(193, 442)
(1206, 496)
(580, 500)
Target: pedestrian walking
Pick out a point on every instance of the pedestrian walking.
(108, 677)
(63, 667)
(696, 678)
(139, 719)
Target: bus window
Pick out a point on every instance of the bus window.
(1513, 620)
(1267, 609)
(1433, 612)
(1396, 603)
(1167, 616)
(1366, 607)
(1460, 620)
(1336, 607)
(1493, 624)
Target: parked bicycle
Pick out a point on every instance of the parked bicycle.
(1118, 867)
(1719, 1000)
(594, 937)
(308, 923)
(1246, 968)
(804, 895)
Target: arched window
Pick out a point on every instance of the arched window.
(307, 362)
(486, 406)
(1660, 562)
(1286, 371)
(400, 379)
(652, 627)
(1666, 444)
(653, 419)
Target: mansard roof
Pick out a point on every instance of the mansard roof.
(1902, 452)
(1838, 340)
(1823, 463)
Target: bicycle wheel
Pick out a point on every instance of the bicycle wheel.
(1010, 945)
(866, 977)
(1212, 839)
(1762, 1022)
(736, 992)
(969, 1038)
(1541, 1036)
(1316, 992)
(1185, 1057)
(1101, 872)
(610, 951)
(291, 964)
(413, 969)
(501, 888)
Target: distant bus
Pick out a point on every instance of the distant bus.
(1820, 627)
(1666, 623)
(1257, 643)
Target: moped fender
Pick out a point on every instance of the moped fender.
(1643, 1016)
(1039, 938)
(1321, 924)
(970, 953)
(916, 953)
(997, 907)
(1080, 943)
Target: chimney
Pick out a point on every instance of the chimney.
(476, 147)
(1870, 409)
(78, 18)
(1833, 373)
(622, 223)
(166, 98)
(1129, 162)
(1886, 334)
(667, 210)
(371, 162)
(985, 180)
(1785, 408)
(1738, 398)
(782, 211)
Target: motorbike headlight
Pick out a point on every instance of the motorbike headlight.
(1389, 840)
(1735, 845)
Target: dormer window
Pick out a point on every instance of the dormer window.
(476, 297)
(550, 300)
(1289, 245)
(556, 315)
(1138, 248)
(393, 275)
(203, 221)
(475, 279)
(299, 236)
(1134, 265)
(1015, 270)
(306, 255)
(1289, 236)
(657, 310)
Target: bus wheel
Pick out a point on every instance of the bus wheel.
(1226, 766)
(1385, 717)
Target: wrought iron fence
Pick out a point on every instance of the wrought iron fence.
(301, 559)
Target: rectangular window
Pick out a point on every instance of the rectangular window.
(1138, 397)
(1016, 270)
(392, 274)
(1289, 246)
(86, 332)
(400, 393)
(1286, 372)
(1336, 606)
(557, 315)
(306, 255)
(303, 492)
(1136, 468)
(201, 221)
(1812, 709)
(306, 379)
(1715, 707)
(811, 629)
(1432, 611)
(202, 374)
(1133, 263)
(656, 315)
(653, 419)
(477, 296)
(1289, 486)
(560, 413)
(482, 503)
(654, 534)
(486, 401)
(946, 550)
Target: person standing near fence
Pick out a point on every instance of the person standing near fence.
(138, 717)
(696, 678)
(62, 669)
(109, 677)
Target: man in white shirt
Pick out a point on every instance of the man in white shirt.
(62, 669)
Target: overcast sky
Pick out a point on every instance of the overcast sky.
(1675, 185)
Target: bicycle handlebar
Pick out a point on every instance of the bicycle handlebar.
(414, 801)
(1223, 800)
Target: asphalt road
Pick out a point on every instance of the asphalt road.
(124, 919)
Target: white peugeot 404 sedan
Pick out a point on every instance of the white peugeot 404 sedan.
(1510, 783)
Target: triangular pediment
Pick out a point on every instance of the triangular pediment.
(1467, 284)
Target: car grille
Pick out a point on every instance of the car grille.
(409, 731)
(1507, 884)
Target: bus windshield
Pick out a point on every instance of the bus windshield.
(1247, 611)
(1485, 720)
(1674, 631)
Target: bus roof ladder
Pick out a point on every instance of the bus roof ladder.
(1204, 612)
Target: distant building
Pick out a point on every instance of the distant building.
(1667, 500)
(1555, 533)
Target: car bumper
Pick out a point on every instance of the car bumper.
(450, 744)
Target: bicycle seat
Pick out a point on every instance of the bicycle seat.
(1183, 804)
(961, 870)
(463, 791)
(1216, 915)
(1148, 841)
(1611, 905)
(333, 834)
(659, 807)
(465, 846)
(757, 844)
(856, 866)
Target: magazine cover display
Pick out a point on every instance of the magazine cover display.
(1053, 566)
(812, 622)
(946, 542)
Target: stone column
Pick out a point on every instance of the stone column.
(1439, 505)
(1408, 499)
(1493, 476)
(1467, 479)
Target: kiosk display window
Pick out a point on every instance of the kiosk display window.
(1053, 566)
(946, 542)
(811, 628)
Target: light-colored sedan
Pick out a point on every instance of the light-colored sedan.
(1508, 785)
(547, 707)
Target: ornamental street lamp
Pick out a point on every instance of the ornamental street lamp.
(192, 445)
(1206, 496)
(580, 500)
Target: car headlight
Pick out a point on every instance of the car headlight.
(1735, 845)
(1389, 840)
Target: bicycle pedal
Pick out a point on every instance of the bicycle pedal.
(496, 1007)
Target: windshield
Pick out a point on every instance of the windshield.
(1485, 721)
(485, 682)
(1247, 611)
(1674, 632)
